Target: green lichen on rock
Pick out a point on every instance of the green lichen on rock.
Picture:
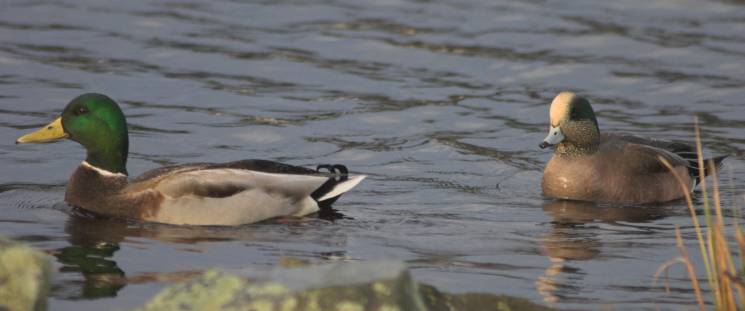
(347, 287)
(379, 286)
(24, 277)
(398, 294)
(207, 292)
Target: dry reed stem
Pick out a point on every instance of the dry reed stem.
(664, 269)
(686, 261)
(712, 265)
(740, 240)
(694, 218)
(715, 251)
(727, 288)
(737, 281)
(701, 172)
(715, 193)
(730, 261)
(739, 234)
(690, 269)
(726, 297)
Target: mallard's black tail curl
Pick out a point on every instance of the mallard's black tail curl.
(338, 183)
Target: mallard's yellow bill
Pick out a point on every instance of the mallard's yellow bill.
(50, 132)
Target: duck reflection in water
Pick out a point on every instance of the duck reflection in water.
(90, 253)
(94, 240)
(574, 237)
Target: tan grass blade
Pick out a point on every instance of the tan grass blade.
(694, 219)
(689, 268)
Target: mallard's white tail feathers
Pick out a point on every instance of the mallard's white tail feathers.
(342, 187)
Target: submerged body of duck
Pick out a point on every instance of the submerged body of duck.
(232, 193)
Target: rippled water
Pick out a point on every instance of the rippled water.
(442, 103)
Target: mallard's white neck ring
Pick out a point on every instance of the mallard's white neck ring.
(101, 171)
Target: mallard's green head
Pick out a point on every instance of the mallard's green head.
(573, 123)
(96, 122)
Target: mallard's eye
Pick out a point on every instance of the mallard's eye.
(81, 110)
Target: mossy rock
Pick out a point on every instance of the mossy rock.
(24, 277)
(379, 286)
(384, 286)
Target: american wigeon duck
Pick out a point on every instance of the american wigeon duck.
(232, 193)
(611, 168)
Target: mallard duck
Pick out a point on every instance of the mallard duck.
(234, 193)
(611, 168)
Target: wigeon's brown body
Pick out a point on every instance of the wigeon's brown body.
(611, 168)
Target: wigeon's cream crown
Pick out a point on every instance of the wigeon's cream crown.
(560, 107)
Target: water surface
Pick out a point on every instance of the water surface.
(441, 103)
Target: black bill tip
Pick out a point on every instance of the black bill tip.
(544, 145)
